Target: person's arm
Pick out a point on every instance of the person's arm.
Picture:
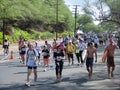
(63, 56)
(105, 49)
(86, 55)
(116, 46)
(26, 60)
(95, 55)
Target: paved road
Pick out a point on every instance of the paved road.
(13, 76)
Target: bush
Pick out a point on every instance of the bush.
(18, 33)
(64, 34)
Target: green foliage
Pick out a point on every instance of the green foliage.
(36, 35)
(67, 33)
(42, 35)
(36, 10)
(83, 19)
(1, 38)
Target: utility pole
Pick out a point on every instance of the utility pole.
(56, 19)
(75, 15)
(75, 19)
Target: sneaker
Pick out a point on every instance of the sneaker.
(44, 70)
(20, 61)
(23, 62)
(27, 84)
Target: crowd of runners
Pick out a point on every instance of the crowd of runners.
(82, 48)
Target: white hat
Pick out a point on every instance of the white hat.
(36, 42)
(81, 39)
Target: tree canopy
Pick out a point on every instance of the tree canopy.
(36, 14)
(104, 10)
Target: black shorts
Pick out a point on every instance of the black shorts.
(110, 61)
(54, 54)
(30, 67)
(70, 55)
(22, 52)
(5, 46)
(38, 55)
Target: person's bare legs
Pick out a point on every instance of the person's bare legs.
(108, 72)
(35, 74)
(90, 72)
(28, 75)
(44, 66)
(113, 68)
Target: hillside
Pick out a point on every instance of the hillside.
(39, 15)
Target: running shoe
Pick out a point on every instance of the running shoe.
(27, 84)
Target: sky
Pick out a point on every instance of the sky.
(74, 2)
(71, 4)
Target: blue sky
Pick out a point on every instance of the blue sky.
(81, 3)
(74, 2)
(71, 3)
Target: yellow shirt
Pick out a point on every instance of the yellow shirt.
(70, 48)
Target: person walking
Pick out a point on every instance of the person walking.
(49, 47)
(31, 59)
(82, 47)
(77, 52)
(46, 55)
(59, 56)
(110, 57)
(23, 48)
(38, 49)
(70, 52)
(91, 50)
(6, 46)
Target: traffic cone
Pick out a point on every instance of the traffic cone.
(11, 56)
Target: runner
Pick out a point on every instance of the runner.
(54, 42)
(54, 49)
(6, 46)
(70, 52)
(48, 46)
(77, 52)
(91, 50)
(46, 55)
(38, 48)
(110, 58)
(22, 40)
(96, 42)
(23, 52)
(82, 47)
(59, 63)
(31, 59)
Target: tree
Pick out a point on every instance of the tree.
(10, 10)
(35, 14)
(104, 10)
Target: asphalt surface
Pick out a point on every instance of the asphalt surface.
(13, 76)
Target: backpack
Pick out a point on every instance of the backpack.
(33, 52)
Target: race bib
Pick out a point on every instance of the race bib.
(58, 58)
(23, 49)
